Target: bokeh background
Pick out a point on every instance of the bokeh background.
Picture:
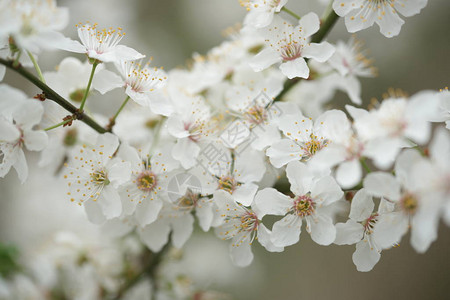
(170, 31)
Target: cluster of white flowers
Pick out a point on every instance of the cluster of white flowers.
(210, 142)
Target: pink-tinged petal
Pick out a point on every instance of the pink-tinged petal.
(349, 173)
(182, 226)
(348, 233)
(381, 184)
(271, 202)
(362, 206)
(389, 21)
(365, 257)
(321, 228)
(295, 68)
(286, 231)
(110, 202)
(147, 212)
(326, 191)
(264, 59)
(245, 193)
(186, 152)
(155, 235)
(390, 229)
(300, 177)
(241, 253)
(124, 53)
(8, 132)
(35, 140)
(264, 239)
(105, 81)
(320, 52)
(283, 152)
(309, 24)
(94, 212)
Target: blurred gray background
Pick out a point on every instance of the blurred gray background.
(419, 58)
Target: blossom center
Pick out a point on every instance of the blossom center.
(369, 223)
(409, 203)
(146, 181)
(313, 145)
(249, 222)
(99, 177)
(304, 205)
(228, 183)
(291, 51)
(256, 114)
(188, 201)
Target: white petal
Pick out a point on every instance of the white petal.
(124, 53)
(389, 21)
(264, 59)
(365, 257)
(241, 254)
(326, 191)
(183, 227)
(295, 68)
(381, 184)
(264, 239)
(348, 233)
(186, 152)
(105, 81)
(286, 231)
(147, 212)
(110, 202)
(284, 151)
(205, 214)
(322, 229)
(94, 212)
(245, 193)
(269, 201)
(362, 206)
(389, 229)
(349, 173)
(300, 177)
(8, 132)
(309, 24)
(320, 52)
(119, 173)
(155, 235)
(35, 140)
